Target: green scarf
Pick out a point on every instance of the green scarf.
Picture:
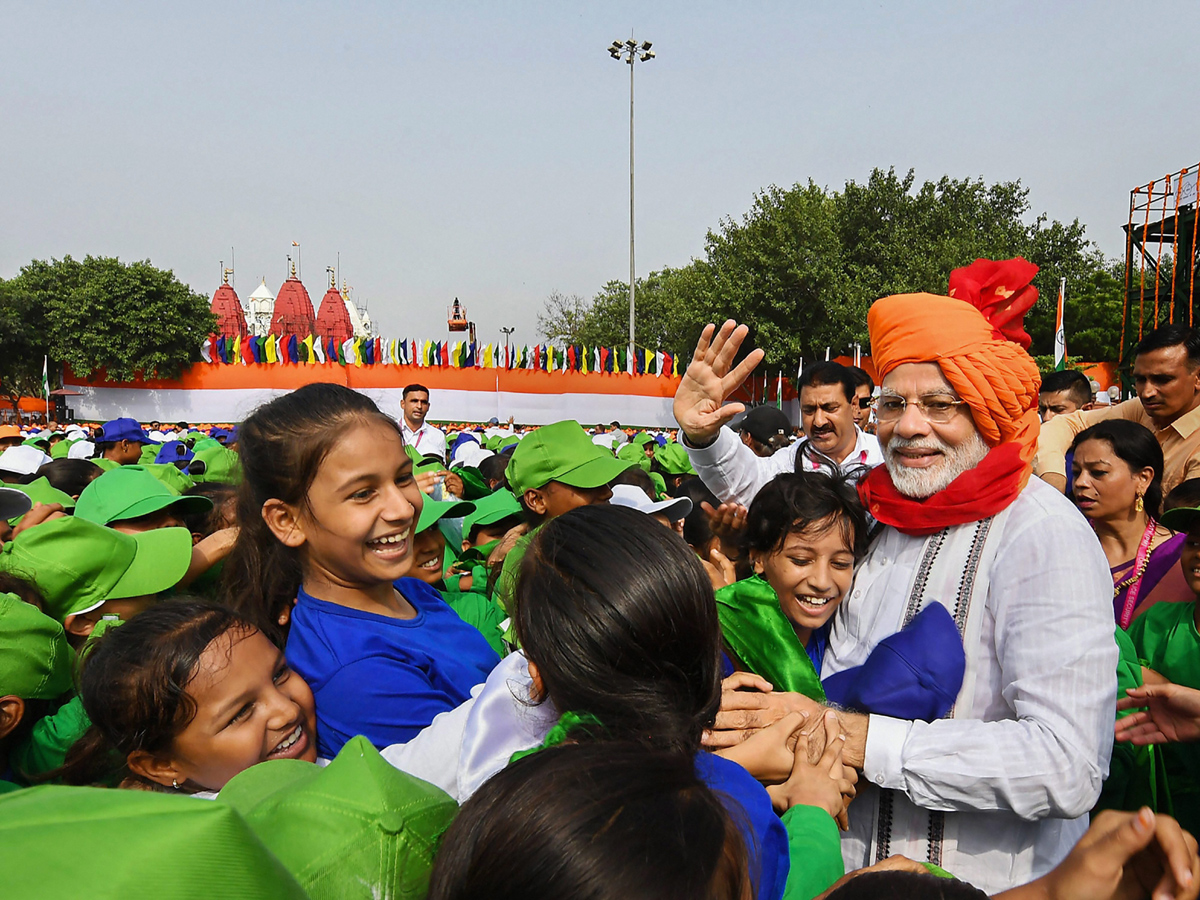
(762, 637)
(556, 735)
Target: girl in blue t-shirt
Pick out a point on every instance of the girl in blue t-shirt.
(327, 511)
(617, 619)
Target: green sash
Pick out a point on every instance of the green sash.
(762, 637)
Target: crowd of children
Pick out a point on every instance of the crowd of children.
(497, 674)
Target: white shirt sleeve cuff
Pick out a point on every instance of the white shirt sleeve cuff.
(715, 453)
(883, 759)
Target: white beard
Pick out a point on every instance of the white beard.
(927, 481)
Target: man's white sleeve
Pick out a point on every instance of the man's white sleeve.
(733, 471)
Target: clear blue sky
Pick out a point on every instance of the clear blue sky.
(480, 149)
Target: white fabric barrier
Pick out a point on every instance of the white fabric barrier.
(172, 405)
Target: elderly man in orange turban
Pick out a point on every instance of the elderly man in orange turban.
(998, 790)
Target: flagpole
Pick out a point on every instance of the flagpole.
(1060, 334)
(46, 384)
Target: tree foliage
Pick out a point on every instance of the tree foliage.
(128, 319)
(22, 343)
(804, 264)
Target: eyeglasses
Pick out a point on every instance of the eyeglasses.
(935, 408)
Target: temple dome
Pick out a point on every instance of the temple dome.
(333, 319)
(293, 311)
(231, 321)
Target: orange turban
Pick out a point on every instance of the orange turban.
(976, 336)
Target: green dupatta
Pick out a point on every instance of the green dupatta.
(762, 637)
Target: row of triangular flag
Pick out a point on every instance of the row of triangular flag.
(451, 354)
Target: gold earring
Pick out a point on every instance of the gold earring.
(174, 784)
(1139, 506)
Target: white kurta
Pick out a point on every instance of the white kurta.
(733, 471)
(1019, 767)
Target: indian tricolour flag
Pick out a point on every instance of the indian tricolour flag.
(1060, 334)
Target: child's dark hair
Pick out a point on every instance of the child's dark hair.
(23, 588)
(282, 445)
(897, 885)
(619, 617)
(70, 476)
(697, 527)
(1135, 445)
(1185, 494)
(133, 685)
(637, 477)
(492, 469)
(207, 522)
(795, 501)
(594, 822)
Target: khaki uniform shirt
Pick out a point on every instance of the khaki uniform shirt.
(1180, 441)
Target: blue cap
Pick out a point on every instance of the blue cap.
(915, 673)
(124, 429)
(174, 452)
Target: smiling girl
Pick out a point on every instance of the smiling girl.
(327, 509)
(185, 698)
(804, 532)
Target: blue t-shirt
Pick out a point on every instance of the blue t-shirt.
(749, 804)
(381, 677)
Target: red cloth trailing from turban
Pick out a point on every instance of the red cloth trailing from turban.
(976, 337)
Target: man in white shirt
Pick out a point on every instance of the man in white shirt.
(998, 790)
(735, 473)
(419, 434)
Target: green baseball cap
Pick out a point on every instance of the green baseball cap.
(62, 448)
(1182, 518)
(105, 463)
(220, 463)
(109, 844)
(78, 565)
(358, 827)
(673, 459)
(176, 480)
(149, 452)
(41, 491)
(432, 511)
(491, 509)
(130, 492)
(561, 452)
(42, 442)
(642, 438)
(635, 454)
(35, 659)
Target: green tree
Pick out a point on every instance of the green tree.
(23, 344)
(127, 319)
(804, 264)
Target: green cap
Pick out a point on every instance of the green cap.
(358, 827)
(561, 452)
(77, 564)
(491, 509)
(149, 452)
(108, 844)
(177, 480)
(130, 492)
(105, 463)
(220, 463)
(42, 443)
(642, 438)
(635, 454)
(432, 511)
(1182, 518)
(673, 459)
(41, 491)
(35, 659)
(62, 448)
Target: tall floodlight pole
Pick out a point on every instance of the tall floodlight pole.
(507, 332)
(631, 51)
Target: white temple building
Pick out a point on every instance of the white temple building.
(262, 308)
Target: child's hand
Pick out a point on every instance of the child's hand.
(496, 557)
(727, 521)
(720, 570)
(770, 754)
(429, 479)
(826, 785)
(1171, 713)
